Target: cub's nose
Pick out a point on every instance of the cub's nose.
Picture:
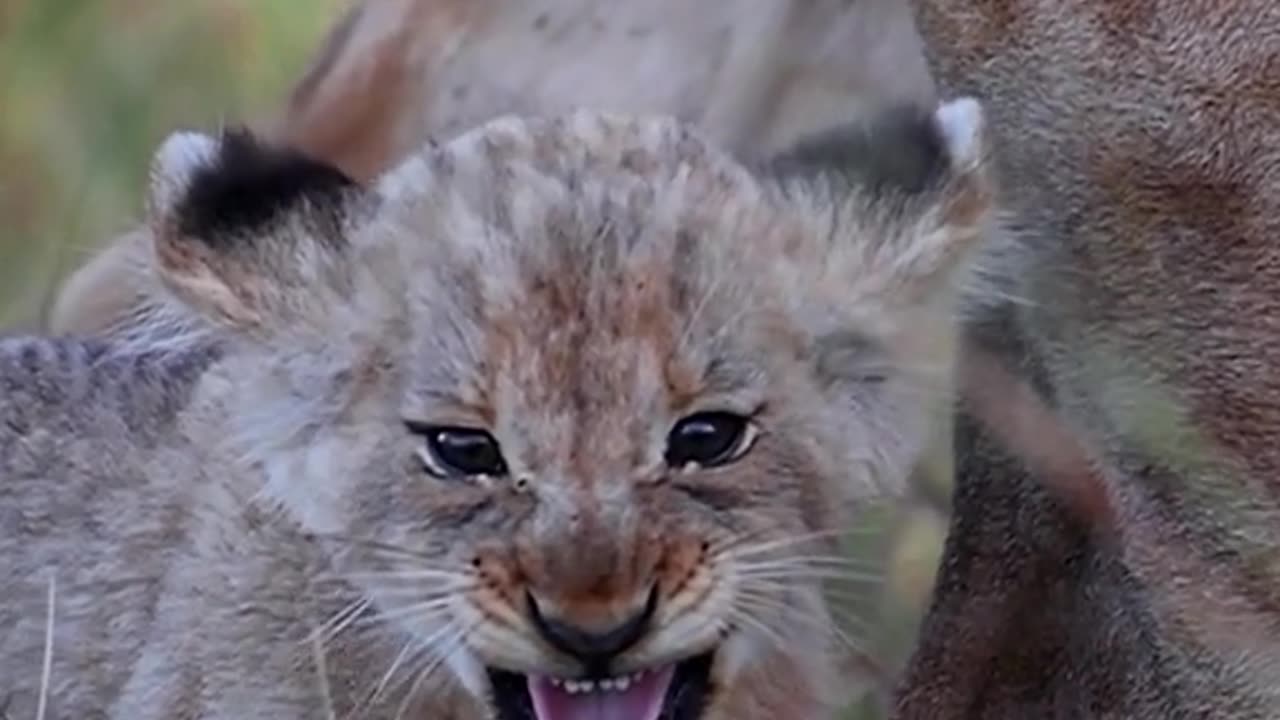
(595, 647)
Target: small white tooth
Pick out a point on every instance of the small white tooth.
(622, 683)
(606, 685)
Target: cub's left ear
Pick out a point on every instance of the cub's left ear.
(251, 236)
(904, 198)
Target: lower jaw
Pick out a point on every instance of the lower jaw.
(686, 696)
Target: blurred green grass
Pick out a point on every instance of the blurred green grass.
(89, 88)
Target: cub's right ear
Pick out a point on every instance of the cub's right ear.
(251, 236)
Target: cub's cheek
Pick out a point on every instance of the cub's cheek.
(681, 561)
(736, 655)
(469, 671)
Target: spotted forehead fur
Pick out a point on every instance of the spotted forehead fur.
(584, 193)
(533, 226)
(538, 225)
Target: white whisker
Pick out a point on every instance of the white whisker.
(779, 590)
(742, 547)
(46, 672)
(379, 546)
(772, 605)
(770, 593)
(449, 646)
(418, 594)
(740, 615)
(824, 561)
(807, 573)
(411, 574)
(409, 646)
(338, 622)
(426, 609)
(849, 643)
(844, 595)
(322, 673)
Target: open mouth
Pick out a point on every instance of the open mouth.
(674, 692)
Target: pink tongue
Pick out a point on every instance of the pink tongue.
(642, 701)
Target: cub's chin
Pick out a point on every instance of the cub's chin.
(679, 691)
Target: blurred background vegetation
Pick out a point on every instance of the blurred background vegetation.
(88, 88)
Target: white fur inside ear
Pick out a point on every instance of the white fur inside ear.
(961, 122)
(177, 160)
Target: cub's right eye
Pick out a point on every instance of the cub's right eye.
(457, 452)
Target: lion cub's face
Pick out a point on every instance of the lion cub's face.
(583, 403)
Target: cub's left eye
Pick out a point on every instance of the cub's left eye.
(454, 452)
(709, 439)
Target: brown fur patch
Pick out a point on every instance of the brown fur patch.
(350, 107)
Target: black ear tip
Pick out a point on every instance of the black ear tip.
(899, 149)
(239, 139)
(249, 184)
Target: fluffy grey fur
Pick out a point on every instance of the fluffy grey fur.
(239, 520)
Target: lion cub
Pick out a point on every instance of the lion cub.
(560, 420)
